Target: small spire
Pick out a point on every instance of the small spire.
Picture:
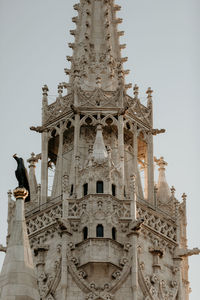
(99, 149)
(164, 192)
(44, 102)
(32, 177)
(149, 93)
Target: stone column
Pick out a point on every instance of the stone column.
(44, 168)
(155, 195)
(134, 267)
(64, 277)
(178, 263)
(76, 151)
(150, 171)
(91, 182)
(32, 178)
(134, 241)
(177, 259)
(60, 157)
(133, 197)
(121, 152)
(135, 150)
(64, 232)
(65, 196)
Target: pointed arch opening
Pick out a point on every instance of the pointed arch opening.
(71, 190)
(85, 233)
(114, 190)
(99, 231)
(99, 187)
(114, 233)
(85, 189)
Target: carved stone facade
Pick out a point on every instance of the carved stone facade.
(98, 226)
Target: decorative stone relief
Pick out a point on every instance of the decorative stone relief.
(159, 224)
(154, 287)
(43, 220)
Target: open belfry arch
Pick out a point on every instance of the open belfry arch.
(98, 226)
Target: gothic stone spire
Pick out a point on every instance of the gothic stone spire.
(96, 50)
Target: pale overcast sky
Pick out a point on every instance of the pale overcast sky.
(163, 46)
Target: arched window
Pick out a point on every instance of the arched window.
(99, 230)
(71, 190)
(85, 189)
(113, 189)
(99, 187)
(114, 231)
(85, 233)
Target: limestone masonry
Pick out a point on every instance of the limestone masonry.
(101, 229)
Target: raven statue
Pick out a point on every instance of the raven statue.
(22, 175)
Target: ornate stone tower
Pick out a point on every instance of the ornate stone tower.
(98, 225)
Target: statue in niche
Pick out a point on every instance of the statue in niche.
(22, 175)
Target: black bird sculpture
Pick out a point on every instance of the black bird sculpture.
(22, 175)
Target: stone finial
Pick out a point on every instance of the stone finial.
(161, 163)
(60, 89)
(184, 197)
(149, 93)
(173, 190)
(32, 160)
(136, 91)
(20, 193)
(149, 97)
(45, 90)
(128, 86)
